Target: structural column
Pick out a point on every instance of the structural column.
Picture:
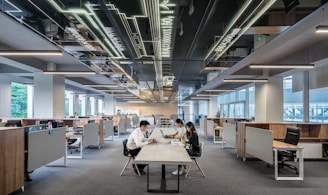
(5, 97)
(110, 105)
(269, 101)
(49, 96)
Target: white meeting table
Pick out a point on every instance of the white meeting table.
(162, 153)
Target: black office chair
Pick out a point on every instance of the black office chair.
(71, 145)
(127, 154)
(292, 137)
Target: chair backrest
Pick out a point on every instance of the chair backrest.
(201, 149)
(292, 135)
(125, 148)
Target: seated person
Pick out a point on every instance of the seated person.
(181, 133)
(192, 146)
(136, 141)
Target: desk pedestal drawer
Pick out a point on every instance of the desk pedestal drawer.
(311, 150)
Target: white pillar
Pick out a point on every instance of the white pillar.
(269, 101)
(5, 97)
(306, 96)
(49, 96)
(110, 105)
(76, 103)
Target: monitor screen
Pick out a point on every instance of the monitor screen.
(14, 123)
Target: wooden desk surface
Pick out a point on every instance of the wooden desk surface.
(279, 144)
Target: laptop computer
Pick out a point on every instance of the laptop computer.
(162, 133)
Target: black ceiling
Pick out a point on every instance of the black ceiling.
(132, 25)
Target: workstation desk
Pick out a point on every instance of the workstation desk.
(260, 144)
(162, 152)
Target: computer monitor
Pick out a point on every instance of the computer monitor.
(16, 123)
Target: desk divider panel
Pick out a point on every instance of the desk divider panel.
(209, 128)
(259, 143)
(229, 134)
(90, 134)
(122, 126)
(109, 128)
(45, 146)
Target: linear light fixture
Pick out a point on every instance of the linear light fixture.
(139, 102)
(31, 53)
(207, 95)
(70, 72)
(200, 98)
(113, 90)
(215, 68)
(281, 66)
(219, 90)
(245, 80)
(321, 29)
(101, 85)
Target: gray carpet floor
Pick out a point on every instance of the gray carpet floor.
(98, 173)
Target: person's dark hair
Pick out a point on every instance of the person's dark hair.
(179, 121)
(144, 123)
(192, 127)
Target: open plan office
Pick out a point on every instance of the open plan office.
(78, 77)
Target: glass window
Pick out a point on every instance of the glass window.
(318, 106)
(18, 100)
(293, 101)
(251, 101)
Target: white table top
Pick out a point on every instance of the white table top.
(163, 154)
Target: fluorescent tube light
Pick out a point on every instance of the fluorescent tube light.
(200, 98)
(281, 66)
(321, 29)
(215, 68)
(207, 95)
(245, 80)
(31, 53)
(100, 85)
(113, 90)
(75, 73)
(219, 90)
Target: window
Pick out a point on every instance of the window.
(18, 100)
(238, 104)
(318, 106)
(293, 101)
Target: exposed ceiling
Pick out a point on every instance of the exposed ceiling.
(152, 48)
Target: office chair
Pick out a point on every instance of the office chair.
(292, 137)
(127, 154)
(194, 158)
(71, 145)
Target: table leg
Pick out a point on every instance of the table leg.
(163, 183)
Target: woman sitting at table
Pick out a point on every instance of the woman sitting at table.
(192, 146)
(181, 133)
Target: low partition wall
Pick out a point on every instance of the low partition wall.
(229, 135)
(90, 134)
(45, 146)
(259, 144)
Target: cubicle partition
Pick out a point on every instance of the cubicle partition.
(108, 129)
(259, 144)
(229, 135)
(90, 135)
(45, 146)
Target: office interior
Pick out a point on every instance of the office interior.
(105, 65)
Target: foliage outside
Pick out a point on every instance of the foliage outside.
(18, 100)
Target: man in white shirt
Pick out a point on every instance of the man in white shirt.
(136, 141)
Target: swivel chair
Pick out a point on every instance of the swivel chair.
(194, 158)
(126, 153)
(292, 137)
